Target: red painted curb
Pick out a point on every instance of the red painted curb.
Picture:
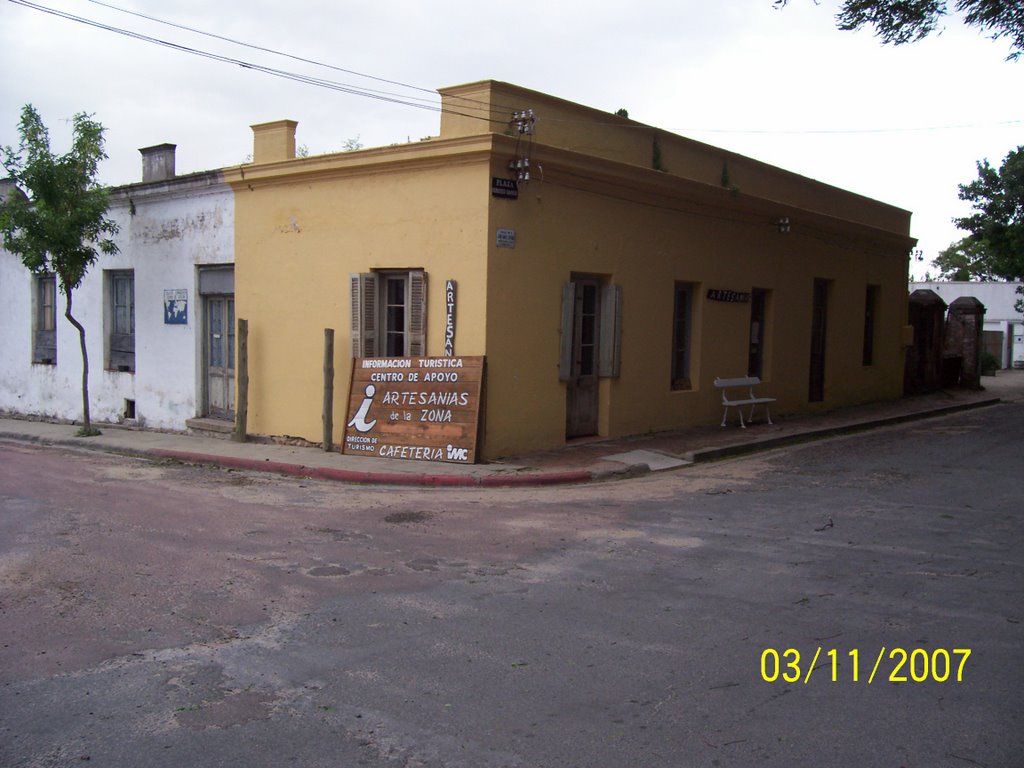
(544, 478)
(376, 478)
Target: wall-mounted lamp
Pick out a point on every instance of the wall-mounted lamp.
(783, 225)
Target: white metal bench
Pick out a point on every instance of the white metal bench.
(748, 383)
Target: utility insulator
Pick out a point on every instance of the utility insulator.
(524, 121)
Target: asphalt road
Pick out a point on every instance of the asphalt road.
(160, 615)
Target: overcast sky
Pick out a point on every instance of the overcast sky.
(903, 125)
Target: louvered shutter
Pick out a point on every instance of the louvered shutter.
(610, 338)
(417, 339)
(565, 345)
(364, 314)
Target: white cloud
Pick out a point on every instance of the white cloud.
(740, 75)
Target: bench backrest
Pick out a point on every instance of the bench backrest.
(747, 381)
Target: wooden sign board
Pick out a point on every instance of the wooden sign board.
(424, 408)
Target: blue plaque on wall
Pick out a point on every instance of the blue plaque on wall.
(176, 306)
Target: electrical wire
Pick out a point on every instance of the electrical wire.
(467, 103)
(293, 76)
(795, 132)
(258, 47)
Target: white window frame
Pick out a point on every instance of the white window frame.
(369, 319)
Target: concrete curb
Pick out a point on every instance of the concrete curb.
(381, 478)
(739, 449)
(566, 477)
(498, 480)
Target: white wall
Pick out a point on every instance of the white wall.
(1000, 312)
(177, 225)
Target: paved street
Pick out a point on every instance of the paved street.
(162, 615)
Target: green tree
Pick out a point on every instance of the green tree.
(58, 223)
(995, 248)
(963, 260)
(907, 21)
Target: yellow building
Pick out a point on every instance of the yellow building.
(609, 272)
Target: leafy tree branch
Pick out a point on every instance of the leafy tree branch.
(57, 224)
(906, 21)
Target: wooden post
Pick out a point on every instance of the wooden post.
(328, 387)
(242, 378)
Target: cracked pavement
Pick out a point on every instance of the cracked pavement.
(157, 614)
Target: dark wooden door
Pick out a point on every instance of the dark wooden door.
(582, 389)
(819, 323)
(755, 357)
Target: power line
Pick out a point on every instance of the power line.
(468, 105)
(304, 60)
(294, 76)
(793, 132)
(851, 131)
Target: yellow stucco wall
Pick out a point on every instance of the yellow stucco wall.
(592, 132)
(303, 227)
(594, 206)
(646, 243)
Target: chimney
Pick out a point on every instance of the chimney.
(273, 142)
(158, 163)
(9, 188)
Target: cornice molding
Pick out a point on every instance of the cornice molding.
(380, 160)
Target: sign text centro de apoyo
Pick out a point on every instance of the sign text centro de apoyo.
(424, 408)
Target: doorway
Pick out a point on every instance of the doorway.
(819, 328)
(220, 356)
(582, 391)
(755, 355)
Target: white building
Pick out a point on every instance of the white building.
(1004, 324)
(156, 314)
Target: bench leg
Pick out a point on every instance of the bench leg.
(725, 415)
(767, 413)
(739, 410)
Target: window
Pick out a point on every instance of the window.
(591, 339)
(121, 340)
(755, 358)
(870, 312)
(682, 325)
(389, 313)
(44, 340)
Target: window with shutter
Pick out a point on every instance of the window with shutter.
(609, 336)
(417, 317)
(682, 322)
(44, 337)
(389, 313)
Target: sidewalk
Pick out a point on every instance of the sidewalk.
(579, 462)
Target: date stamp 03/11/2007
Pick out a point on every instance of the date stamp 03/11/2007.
(897, 665)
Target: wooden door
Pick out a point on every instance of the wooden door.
(819, 323)
(755, 355)
(582, 385)
(220, 356)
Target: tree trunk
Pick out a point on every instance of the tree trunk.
(86, 420)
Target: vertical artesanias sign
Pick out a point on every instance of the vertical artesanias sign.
(424, 408)
(449, 322)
